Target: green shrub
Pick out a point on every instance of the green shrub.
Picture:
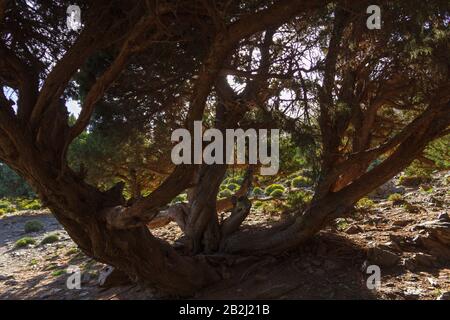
(57, 273)
(273, 187)
(50, 239)
(364, 204)
(341, 224)
(23, 242)
(396, 198)
(2, 212)
(300, 181)
(269, 207)
(6, 206)
(225, 193)
(257, 191)
(235, 180)
(180, 198)
(257, 204)
(277, 193)
(298, 199)
(33, 226)
(233, 186)
(29, 204)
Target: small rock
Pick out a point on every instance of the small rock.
(443, 216)
(402, 223)
(11, 282)
(425, 260)
(412, 293)
(433, 282)
(382, 258)
(444, 296)
(5, 277)
(353, 229)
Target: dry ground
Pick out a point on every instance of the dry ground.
(331, 266)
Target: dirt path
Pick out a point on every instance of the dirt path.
(408, 242)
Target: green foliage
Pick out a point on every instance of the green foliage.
(51, 238)
(233, 186)
(7, 206)
(235, 180)
(269, 207)
(23, 242)
(415, 175)
(58, 273)
(269, 189)
(364, 204)
(33, 226)
(277, 193)
(396, 198)
(257, 204)
(2, 212)
(439, 152)
(225, 193)
(300, 181)
(180, 198)
(298, 199)
(341, 224)
(257, 191)
(28, 204)
(12, 185)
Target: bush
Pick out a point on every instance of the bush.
(257, 204)
(6, 206)
(33, 226)
(413, 181)
(298, 199)
(235, 180)
(23, 242)
(277, 193)
(257, 191)
(364, 204)
(396, 198)
(233, 186)
(29, 204)
(58, 273)
(50, 239)
(180, 198)
(273, 187)
(225, 193)
(300, 181)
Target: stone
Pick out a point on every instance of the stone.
(443, 216)
(412, 293)
(424, 260)
(402, 223)
(353, 229)
(444, 296)
(382, 258)
(436, 238)
(387, 189)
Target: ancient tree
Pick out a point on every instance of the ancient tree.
(361, 95)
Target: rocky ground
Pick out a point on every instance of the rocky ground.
(408, 239)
